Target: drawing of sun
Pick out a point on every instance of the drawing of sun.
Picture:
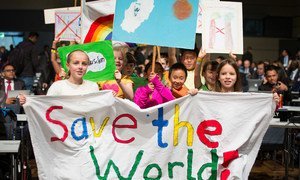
(182, 9)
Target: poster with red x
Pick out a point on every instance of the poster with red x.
(222, 24)
(67, 25)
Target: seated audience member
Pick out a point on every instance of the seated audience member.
(293, 74)
(282, 76)
(260, 72)
(9, 82)
(154, 92)
(273, 84)
(177, 76)
(246, 69)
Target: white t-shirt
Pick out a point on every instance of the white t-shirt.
(65, 87)
(189, 83)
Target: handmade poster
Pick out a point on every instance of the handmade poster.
(49, 14)
(199, 15)
(67, 25)
(102, 64)
(161, 23)
(97, 22)
(222, 27)
(97, 136)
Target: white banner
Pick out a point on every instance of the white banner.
(96, 136)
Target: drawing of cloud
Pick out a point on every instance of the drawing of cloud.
(136, 14)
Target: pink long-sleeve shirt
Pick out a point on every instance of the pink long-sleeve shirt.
(160, 94)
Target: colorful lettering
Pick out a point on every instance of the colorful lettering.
(104, 123)
(171, 166)
(48, 112)
(116, 168)
(177, 125)
(229, 156)
(84, 129)
(213, 165)
(160, 123)
(115, 125)
(202, 130)
(149, 168)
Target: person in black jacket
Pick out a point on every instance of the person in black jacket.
(31, 61)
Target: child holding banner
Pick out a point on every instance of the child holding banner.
(77, 63)
(177, 76)
(122, 86)
(155, 92)
(228, 77)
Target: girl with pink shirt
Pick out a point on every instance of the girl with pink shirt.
(154, 92)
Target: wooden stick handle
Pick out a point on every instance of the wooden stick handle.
(153, 58)
(158, 53)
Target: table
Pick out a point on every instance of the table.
(22, 119)
(275, 122)
(12, 147)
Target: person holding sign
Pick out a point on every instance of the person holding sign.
(122, 86)
(77, 63)
(155, 92)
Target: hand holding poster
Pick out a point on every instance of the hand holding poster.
(102, 65)
(97, 136)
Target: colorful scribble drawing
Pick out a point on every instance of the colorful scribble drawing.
(182, 9)
(213, 29)
(228, 32)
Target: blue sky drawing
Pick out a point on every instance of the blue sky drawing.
(162, 28)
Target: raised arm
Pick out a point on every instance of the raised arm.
(197, 77)
(172, 56)
(126, 87)
(54, 57)
(163, 91)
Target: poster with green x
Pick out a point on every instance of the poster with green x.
(102, 63)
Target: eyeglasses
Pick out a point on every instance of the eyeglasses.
(9, 70)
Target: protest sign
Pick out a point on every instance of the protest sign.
(67, 25)
(97, 136)
(222, 24)
(163, 23)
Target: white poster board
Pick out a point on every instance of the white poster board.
(199, 15)
(222, 27)
(67, 25)
(49, 14)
